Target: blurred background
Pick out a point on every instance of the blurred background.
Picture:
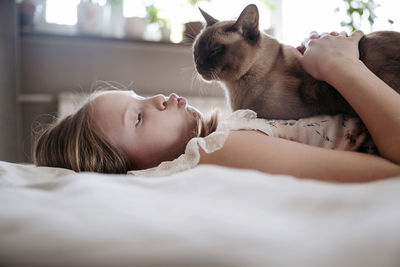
(53, 53)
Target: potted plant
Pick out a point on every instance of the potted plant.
(115, 18)
(90, 18)
(153, 17)
(359, 9)
(135, 27)
(28, 11)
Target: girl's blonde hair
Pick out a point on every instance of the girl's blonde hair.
(74, 143)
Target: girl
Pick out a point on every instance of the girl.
(120, 131)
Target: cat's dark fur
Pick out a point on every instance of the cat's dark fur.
(264, 75)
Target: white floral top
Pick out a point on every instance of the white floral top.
(332, 132)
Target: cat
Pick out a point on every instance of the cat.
(266, 76)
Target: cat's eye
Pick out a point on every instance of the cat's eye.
(217, 50)
(138, 119)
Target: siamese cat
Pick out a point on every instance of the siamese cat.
(264, 75)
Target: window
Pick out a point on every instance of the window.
(61, 11)
(298, 18)
(292, 20)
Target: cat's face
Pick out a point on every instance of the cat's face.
(225, 50)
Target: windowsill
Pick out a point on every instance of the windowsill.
(97, 37)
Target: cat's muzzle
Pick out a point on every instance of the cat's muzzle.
(207, 77)
(205, 73)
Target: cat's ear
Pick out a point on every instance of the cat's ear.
(210, 20)
(247, 23)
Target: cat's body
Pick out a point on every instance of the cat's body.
(266, 76)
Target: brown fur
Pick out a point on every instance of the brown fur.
(264, 75)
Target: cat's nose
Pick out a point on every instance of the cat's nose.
(201, 66)
(199, 61)
(201, 70)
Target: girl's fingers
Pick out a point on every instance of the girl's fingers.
(305, 42)
(314, 35)
(323, 34)
(356, 36)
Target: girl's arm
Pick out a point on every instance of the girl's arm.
(334, 59)
(255, 150)
(377, 104)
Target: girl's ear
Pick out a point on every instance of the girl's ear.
(247, 23)
(210, 20)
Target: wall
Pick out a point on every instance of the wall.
(55, 64)
(8, 82)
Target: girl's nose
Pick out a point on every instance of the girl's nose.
(159, 101)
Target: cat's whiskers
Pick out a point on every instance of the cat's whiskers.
(202, 84)
(193, 72)
(214, 74)
(186, 69)
(195, 76)
(197, 81)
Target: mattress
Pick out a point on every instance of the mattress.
(206, 216)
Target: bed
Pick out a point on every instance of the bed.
(206, 216)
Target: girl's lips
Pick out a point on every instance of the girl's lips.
(181, 101)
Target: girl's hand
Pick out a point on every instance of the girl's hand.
(332, 50)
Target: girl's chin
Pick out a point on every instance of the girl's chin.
(195, 112)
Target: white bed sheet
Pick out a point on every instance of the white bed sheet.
(206, 216)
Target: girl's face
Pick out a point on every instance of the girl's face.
(148, 130)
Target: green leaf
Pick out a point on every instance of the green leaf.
(194, 2)
(270, 4)
(115, 2)
(362, 8)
